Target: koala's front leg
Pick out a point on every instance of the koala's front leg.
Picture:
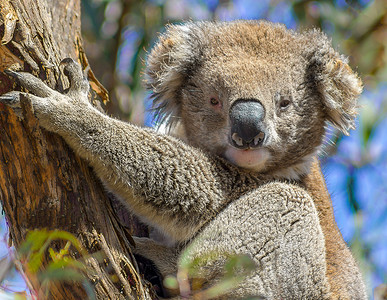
(176, 187)
(165, 258)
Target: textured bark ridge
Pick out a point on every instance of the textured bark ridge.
(42, 183)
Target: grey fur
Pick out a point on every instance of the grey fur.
(189, 190)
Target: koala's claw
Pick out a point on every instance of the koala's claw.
(12, 74)
(31, 83)
(12, 99)
(74, 72)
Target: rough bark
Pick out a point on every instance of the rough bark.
(42, 183)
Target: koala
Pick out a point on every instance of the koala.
(248, 102)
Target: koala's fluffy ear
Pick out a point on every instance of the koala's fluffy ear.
(337, 83)
(170, 63)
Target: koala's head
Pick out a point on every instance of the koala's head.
(252, 92)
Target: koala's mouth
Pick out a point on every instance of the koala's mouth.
(253, 159)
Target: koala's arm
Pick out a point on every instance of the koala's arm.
(163, 257)
(161, 178)
(277, 224)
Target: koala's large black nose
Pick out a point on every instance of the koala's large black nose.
(246, 117)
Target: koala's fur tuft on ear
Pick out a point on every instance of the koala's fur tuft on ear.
(337, 83)
(340, 85)
(169, 65)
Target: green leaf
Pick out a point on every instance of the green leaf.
(241, 262)
(89, 288)
(66, 263)
(67, 236)
(61, 275)
(170, 282)
(220, 288)
(35, 261)
(34, 241)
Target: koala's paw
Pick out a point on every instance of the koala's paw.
(48, 104)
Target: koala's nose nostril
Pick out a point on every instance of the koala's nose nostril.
(237, 139)
(258, 140)
(246, 118)
(255, 142)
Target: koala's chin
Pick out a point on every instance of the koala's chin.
(252, 159)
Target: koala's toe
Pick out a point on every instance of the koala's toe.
(78, 82)
(72, 69)
(31, 83)
(13, 74)
(11, 98)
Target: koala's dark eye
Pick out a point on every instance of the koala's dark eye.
(214, 101)
(284, 103)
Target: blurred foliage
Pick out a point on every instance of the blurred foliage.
(38, 260)
(189, 279)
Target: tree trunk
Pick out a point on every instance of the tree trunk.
(42, 183)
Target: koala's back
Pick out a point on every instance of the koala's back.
(271, 224)
(343, 273)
